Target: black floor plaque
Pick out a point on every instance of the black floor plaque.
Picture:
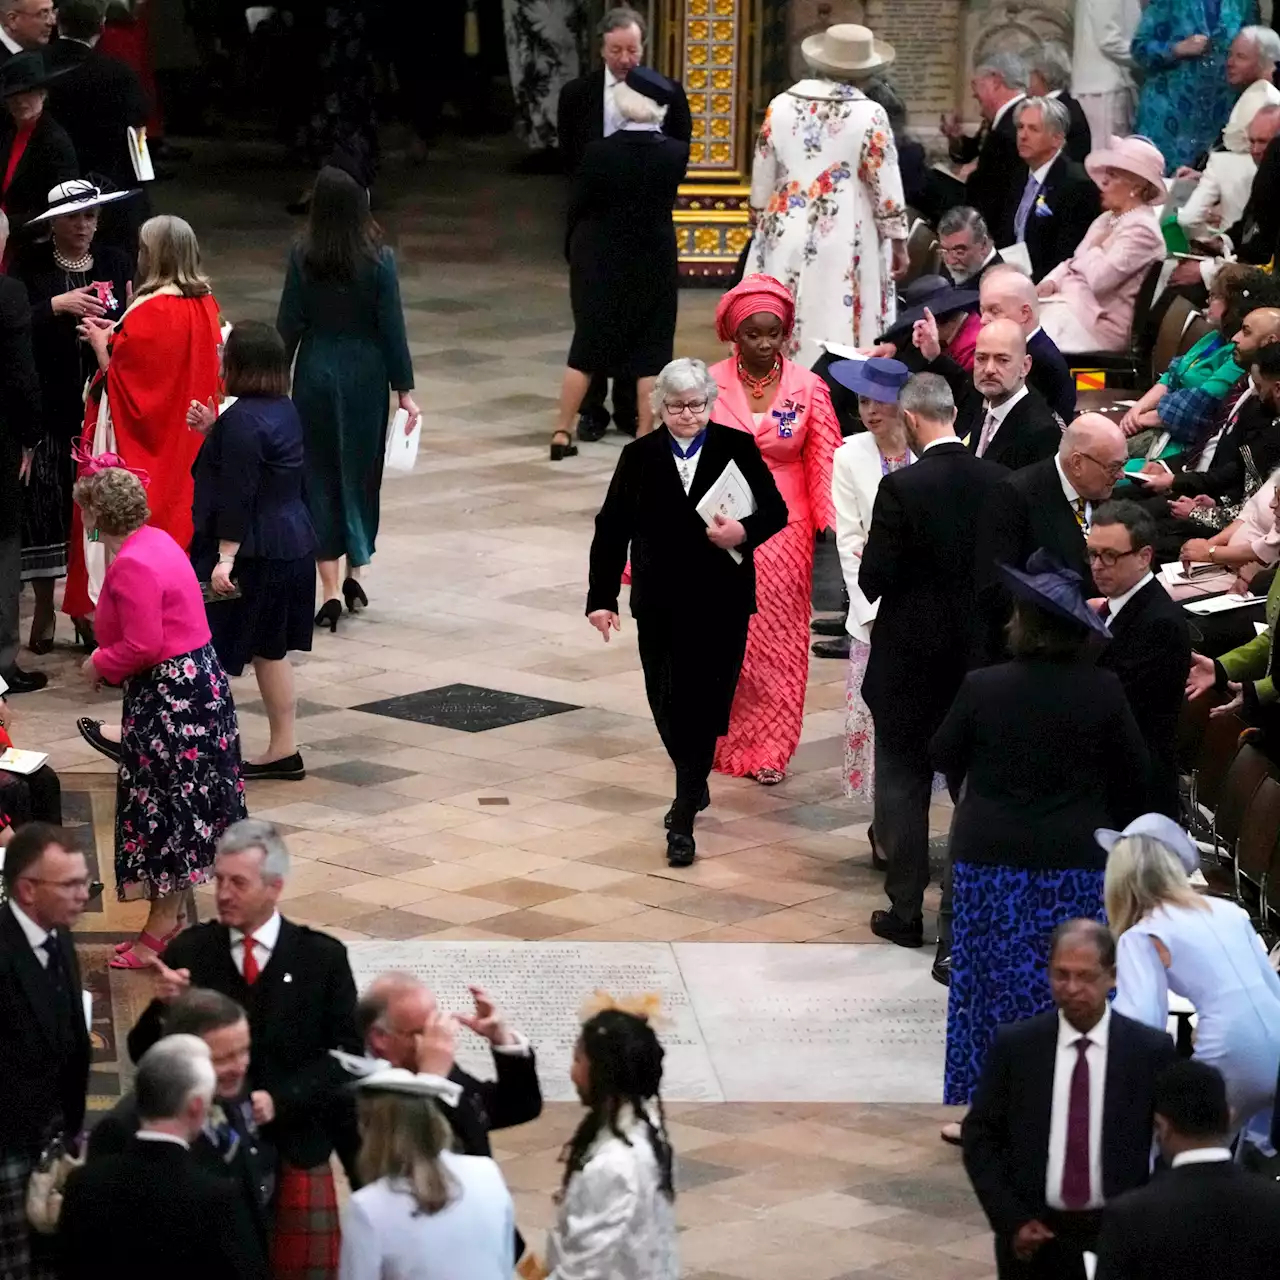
(465, 707)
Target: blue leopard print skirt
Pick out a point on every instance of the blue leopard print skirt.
(1000, 955)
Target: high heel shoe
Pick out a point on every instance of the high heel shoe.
(566, 450)
(84, 634)
(353, 594)
(329, 614)
(41, 642)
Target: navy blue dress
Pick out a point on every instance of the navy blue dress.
(248, 489)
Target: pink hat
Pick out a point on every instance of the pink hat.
(1137, 155)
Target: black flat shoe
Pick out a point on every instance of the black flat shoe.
(329, 614)
(828, 627)
(681, 850)
(286, 769)
(561, 451)
(884, 924)
(91, 732)
(353, 594)
(20, 681)
(702, 804)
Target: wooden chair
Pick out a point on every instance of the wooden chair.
(1256, 848)
(1241, 781)
(1218, 745)
(1129, 368)
(1168, 341)
(922, 252)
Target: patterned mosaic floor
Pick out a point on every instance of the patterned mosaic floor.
(549, 828)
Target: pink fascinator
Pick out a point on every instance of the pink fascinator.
(92, 463)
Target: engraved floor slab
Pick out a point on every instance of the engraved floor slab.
(466, 707)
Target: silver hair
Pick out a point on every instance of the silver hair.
(1053, 62)
(1057, 120)
(619, 17)
(1266, 41)
(256, 833)
(172, 1072)
(684, 374)
(4, 225)
(928, 396)
(1008, 66)
(964, 218)
(634, 105)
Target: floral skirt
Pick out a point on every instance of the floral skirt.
(179, 785)
(1000, 955)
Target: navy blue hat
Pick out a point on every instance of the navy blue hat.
(935, 292)
(876, 378)
(654, 86)
(1051, 586)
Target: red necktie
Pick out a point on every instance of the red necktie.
(1075, 1165)
(1104, 610)
(251, 969)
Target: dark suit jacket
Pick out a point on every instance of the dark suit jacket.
(250, 1168)
(44, 1044)
(988, 187)
(196, 1224)
(1256, 235)
(1029, 432)
(972, 282)
(514, 1097)
(919, 563)
(1194, 1221)
(1254, 435)
(1051, 375)
(1150, 651)
(1027, 511)
(302, 1005)
(673, 562)
(49, 158)
(580, 117)
(21, 424)
(1006, 1133)
(1079, 135)
(1071, 197)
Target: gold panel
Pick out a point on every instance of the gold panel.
(723, 54)
(736, 238)
(706, 239)
(721, 79)
(697, 152)
(697, 104)
(698, 7)
(726, 6)
(697, 54)
(700, 30)
(721, 128)
(721, 104)
(722, 30)
(697, 80)
(700, 128)
(721, 153)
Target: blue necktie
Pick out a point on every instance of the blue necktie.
(1029, 193)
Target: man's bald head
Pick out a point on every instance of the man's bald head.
(1259, 329)
(1093, 453)
(1005, 293)
(392, 1013)
(1000, 360)
(1261, 129)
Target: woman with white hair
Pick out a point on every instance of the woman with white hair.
(623, 269)
(826, 196)
(693, 581)
(1170, 938)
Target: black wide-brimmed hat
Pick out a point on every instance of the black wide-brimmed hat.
(1051, 586)
(654, 86)
(79, 194)
(27, 71)
(935, 292)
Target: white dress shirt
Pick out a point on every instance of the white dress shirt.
(951, 439)
(612, 116)
(1118, 602)
(1201, 1155)
(685, 467)
(1008, 106)
(999, 412)
(1064, 1065)
(35, 934)
(153, 1135)
(9, 43)
(1043, 171)
(1235, 135)
(265, 940)
(1205, 460)
(1072, 496)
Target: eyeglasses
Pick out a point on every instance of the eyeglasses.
(952, 250)
(1107, 556)
(94, 887)
(1111, 468)
(677, 410)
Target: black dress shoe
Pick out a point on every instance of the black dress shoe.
(828, 627)
(838, 648)
(591, 429)
(702, 804)
(941, 971)
(884, 924)
(91, 732)
(286, 769)
(681, 850)
(25, 681)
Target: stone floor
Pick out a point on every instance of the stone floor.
(550, 828)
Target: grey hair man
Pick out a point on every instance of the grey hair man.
(25, 25)
(965, 244)
(1051, 78)
(1251, 64)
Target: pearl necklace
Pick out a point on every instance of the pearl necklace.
(79, 264)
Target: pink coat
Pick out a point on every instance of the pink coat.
(1100, 281)
(151, 607)
(797, 437)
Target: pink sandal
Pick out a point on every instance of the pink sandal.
(150, 940)
(128, 958)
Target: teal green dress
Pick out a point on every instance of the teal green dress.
(351, 347)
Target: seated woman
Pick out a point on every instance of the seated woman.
(954, 307)
(29, 797)
(1249, 543)
(1089, 298)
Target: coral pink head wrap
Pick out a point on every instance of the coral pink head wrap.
(754, 295)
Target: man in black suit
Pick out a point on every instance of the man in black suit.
(1055, 200)
(230, 1144)
(919, 564)
(1207, 1216)
(24, 25)
(1049, 76)
(21, 427)
(296, 985)
(1049, 504)
(1150, 649)
(44, 1043)
(1041, 1164)
(586, 112)
(966, 247)
(192, 1222)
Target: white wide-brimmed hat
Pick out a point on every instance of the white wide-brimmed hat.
(75, 196)
(379, 1076)
(1136, 155)
(846, 50)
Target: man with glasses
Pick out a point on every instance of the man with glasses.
(44, 1040)
(966, 247)
(24, 25)
(1150, 649)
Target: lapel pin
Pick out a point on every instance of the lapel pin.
(288, 977)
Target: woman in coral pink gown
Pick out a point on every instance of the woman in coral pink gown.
(788, 410)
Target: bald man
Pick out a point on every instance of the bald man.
(1006, 294)
(1049, 504)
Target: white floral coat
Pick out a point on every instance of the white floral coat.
(828, 198)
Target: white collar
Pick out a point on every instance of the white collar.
(90, 43)
(1118, 602)
(266, 937)
(35, 934)
(1071, 495)
(1001, 411)
(1032, 334)
(9, 42)
(640, 126)
(1039, 174)
(1098, 1035)
(610, 79)
(951, 439)
(1000, 113)
(154, 1135)
(1055, 94)
(1201, 1155)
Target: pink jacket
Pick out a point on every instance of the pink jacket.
(1100, 281)
(797, 437)
(151, 607)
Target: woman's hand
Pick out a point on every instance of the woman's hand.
(1194, 551)
(220, 579)
(1202, 676)
(78, 302)
(1187, 272)
(1191, 47)
(924, 336)
(90, 672)
(1046, 289)
(97, 333)
(1181, 508)
(726, 534)
(604, 621)
(201, 417)
(1187, 173)
(1237, 701)
(409, 405)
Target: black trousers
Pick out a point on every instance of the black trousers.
(1060, 1258)
(690, 676)
(35, 797)
(624, 402)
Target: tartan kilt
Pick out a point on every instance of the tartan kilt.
(23, 1254)
(307, 1242)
